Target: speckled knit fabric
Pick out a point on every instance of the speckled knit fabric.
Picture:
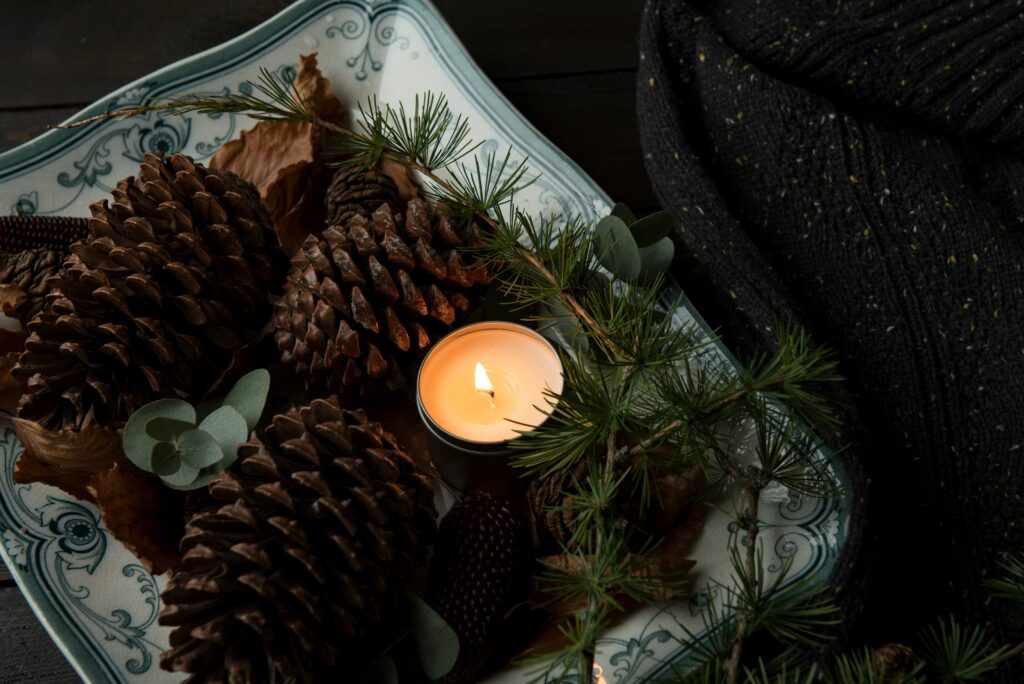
(856, 166)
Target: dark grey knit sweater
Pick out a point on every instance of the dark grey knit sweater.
(856, 166)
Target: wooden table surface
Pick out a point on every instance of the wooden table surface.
(568, 65)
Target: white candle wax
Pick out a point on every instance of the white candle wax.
(520, 366)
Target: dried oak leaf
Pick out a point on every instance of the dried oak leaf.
(67, 459)
(143, 514)
(285, 160)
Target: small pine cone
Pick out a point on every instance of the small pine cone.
(317, 531)
(364, 300)
(479, 572)
(29, 270)
(174, 277)
(18, 233)
(355, 192)
(550, 505)
(894, 661)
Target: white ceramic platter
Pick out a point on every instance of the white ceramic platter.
(95, 599)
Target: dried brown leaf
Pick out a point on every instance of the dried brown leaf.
(67, 459)
(408, 188)
(285, 160)
(12, 297)
(143, 514)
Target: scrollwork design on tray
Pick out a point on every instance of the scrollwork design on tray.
(372, 23)
(62, 543)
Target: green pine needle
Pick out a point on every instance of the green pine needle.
(959, 655)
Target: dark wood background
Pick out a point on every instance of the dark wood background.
(568, 65)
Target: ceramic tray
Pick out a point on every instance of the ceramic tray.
(95, 599)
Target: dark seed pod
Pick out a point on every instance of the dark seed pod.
(479, 572)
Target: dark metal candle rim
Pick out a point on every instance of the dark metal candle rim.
(470, 446)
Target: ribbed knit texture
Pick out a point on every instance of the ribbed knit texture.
(855, 166)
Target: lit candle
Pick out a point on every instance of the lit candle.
(477, 389)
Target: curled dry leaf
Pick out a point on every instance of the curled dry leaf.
(12, 297)
(67, 459)
(408, 188)
(141, 513)
(285, 160)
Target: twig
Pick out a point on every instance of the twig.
(749, 523)
(117, 114)
(1012, 653)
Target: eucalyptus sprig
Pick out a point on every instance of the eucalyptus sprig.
(188, 447)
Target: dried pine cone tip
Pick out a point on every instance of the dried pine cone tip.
(317, 530)
(19, 233)
(366, 298)
(355, 192)
(172, 278)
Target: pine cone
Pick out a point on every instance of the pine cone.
(479, 572)
(550, 505)
(363, 301)
(893, 662)
(173, 279)
(355, 192)
(29, 270)
(319, 528)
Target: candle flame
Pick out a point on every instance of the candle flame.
(483, 383)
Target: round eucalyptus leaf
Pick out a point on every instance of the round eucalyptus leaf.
(198, 449)
(249, 395)
(165, 459)
(616, 248)
(183, 478)
(657, 258)
(650, 229)
(138, 446)
(227, 426)
(595, 280)
(620, 210)
(382, 671)
(167, 429)
(205, 477)
(436, 642)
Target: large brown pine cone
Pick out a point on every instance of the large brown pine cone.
(173, 278)
(319, 529)
(364, 300)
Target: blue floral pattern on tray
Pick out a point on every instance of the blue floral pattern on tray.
(99, 604)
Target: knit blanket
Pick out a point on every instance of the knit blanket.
(856, 167)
